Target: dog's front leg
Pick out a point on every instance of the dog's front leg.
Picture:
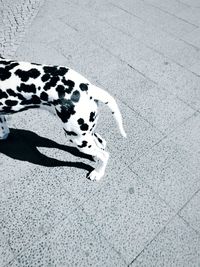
(88, 146)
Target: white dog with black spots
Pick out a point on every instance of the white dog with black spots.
(63, 92)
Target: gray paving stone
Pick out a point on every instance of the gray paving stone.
(187, 135)
(6, 254)
(193, 37)
(40, 53)
(88, 58)
(176, 245)
(159, 107)
(191, 212)
(128, 214)
(74, 242)
(166, 44)
(155, 16)
(165, 168)
(192, 15)
(196, 68)
(35, 203)
(152, 65)
(170, 6)
(191, 3)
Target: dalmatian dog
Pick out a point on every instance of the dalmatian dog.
(67, 95)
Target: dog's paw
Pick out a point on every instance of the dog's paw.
(94, 176)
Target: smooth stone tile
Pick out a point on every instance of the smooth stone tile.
(165, 169)
(191, 212)
(127, 213)
(176, 245)
(74, 242)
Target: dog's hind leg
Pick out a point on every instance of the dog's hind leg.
(4, 130)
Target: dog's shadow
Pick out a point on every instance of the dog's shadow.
(22, 145)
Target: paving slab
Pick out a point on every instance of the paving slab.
(155, 16)
(165, 169)
(191, 212)
(6, 254)
(192, 15)
(171, 6)
(35, 203)
(176, 245)
(74, 242)
(127, 213)
(158, 106)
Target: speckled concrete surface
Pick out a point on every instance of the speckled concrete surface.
(145, 211)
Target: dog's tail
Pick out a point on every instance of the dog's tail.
(106, 98)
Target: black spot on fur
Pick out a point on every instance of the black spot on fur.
(75, 96)
(99, 139)
(11, 66)
(5, 62)
(50, 70)
(11, 92)
(26, 88)
(46, 104)
(55, 71)
(25, 75)
(83, 86)
(52, 83)
(84, 127)
(34, 100)
(69, 85)
(61, 91)
(92, 116)
(44, 96)
(80, 121)
(3, 94)
(84, 144)
(4, 74)
(36, 64)
(62, 71)
(70, 133)
(66, 111)
(45, 77)
(7, 109)
(11, 102)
